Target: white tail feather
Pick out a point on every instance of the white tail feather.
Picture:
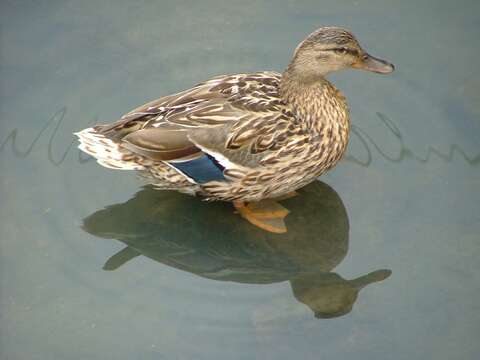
(107, 152)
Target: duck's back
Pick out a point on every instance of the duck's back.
(205, 133)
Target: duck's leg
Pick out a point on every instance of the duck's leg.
(266, 214)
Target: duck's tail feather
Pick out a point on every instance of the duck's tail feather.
(107, 152)
(110, 154)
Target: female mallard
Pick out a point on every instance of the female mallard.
(243, 137)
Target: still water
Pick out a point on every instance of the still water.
(381, 257)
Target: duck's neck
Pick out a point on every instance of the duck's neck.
(314, 100)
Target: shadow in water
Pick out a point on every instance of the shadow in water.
(209, 240)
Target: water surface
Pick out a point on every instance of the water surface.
(94, 266)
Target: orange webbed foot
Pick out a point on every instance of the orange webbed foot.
(266, 214)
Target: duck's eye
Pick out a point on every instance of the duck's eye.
(341, 51)
(344, 51)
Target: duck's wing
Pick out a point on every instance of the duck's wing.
(238, 120)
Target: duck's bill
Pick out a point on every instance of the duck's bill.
(374, 64)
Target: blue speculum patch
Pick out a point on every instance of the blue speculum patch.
(202, 170)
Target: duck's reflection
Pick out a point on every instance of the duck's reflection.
(209, 240)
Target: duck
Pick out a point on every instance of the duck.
(250, 138)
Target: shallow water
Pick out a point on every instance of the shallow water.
(163, 276)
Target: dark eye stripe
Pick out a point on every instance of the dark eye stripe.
(345, 50)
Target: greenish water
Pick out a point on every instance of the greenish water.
(93, 266)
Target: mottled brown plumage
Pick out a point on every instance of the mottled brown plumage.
(269, 133)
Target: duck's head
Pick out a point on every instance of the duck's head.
(331, 49)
